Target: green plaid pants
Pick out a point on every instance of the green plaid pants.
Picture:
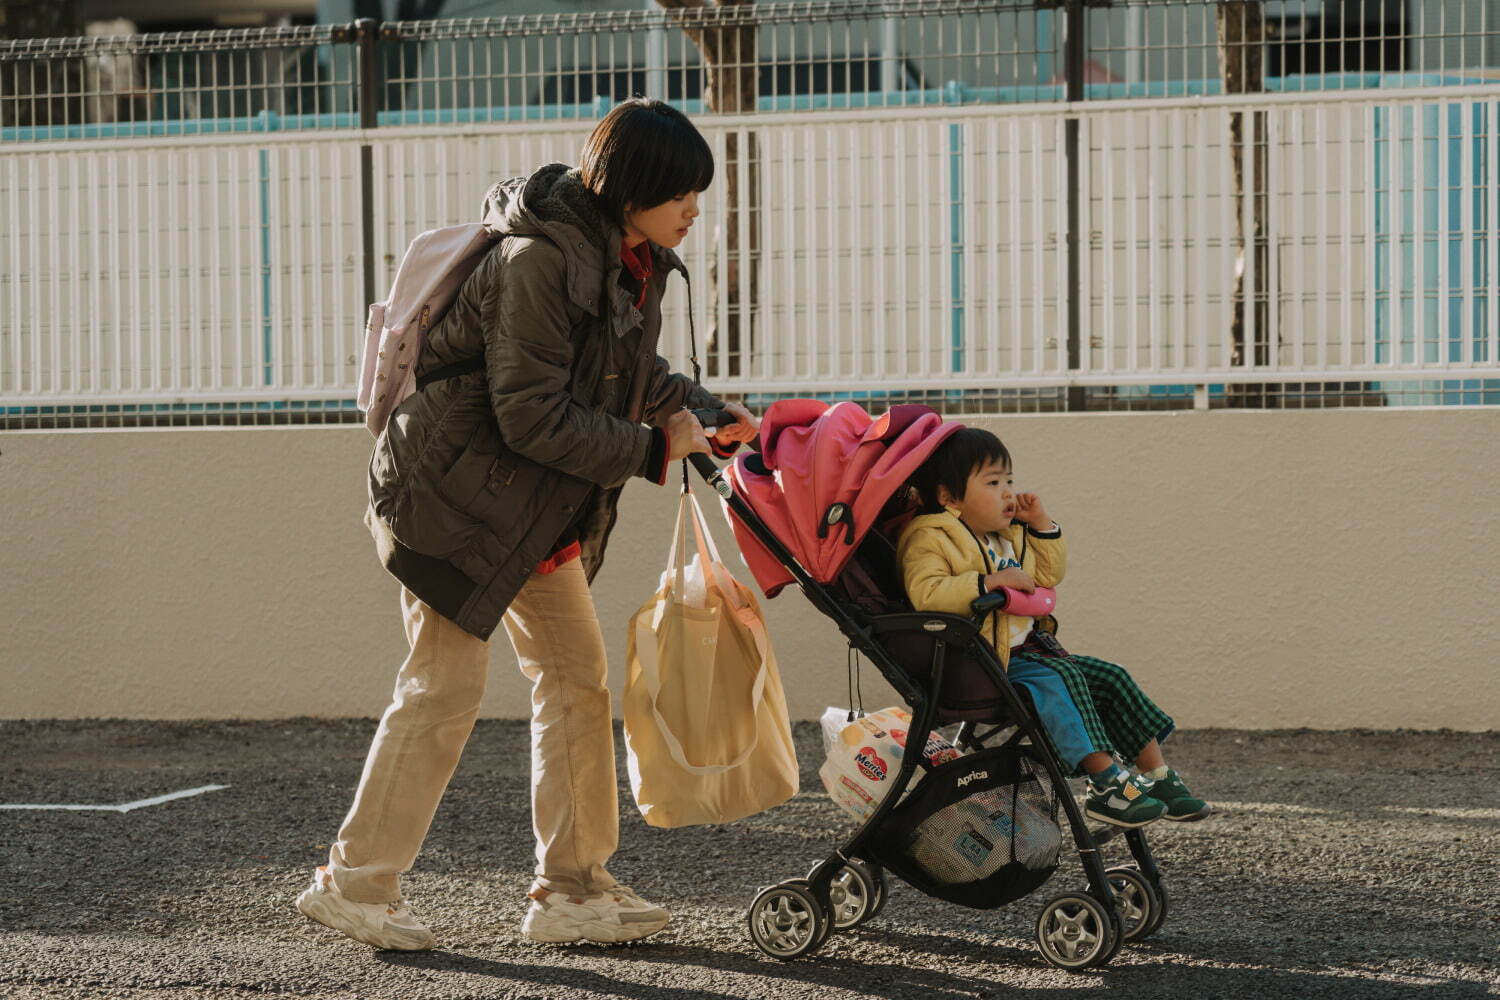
(1117, 715)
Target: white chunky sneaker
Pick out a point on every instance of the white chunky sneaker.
(380, 925)
(608, 917)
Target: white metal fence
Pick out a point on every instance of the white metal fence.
(905, 250)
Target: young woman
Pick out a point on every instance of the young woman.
(492, 494)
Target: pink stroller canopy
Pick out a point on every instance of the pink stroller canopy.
(821, 478)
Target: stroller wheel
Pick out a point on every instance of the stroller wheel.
(1137, 900)
(1160, 916)
(877, 878)
(854, 894)
(786, 921)
(1075, 932)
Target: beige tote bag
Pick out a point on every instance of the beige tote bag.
(705, 716)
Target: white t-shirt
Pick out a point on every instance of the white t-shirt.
(1002, 557)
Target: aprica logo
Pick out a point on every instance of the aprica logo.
(972, 776)
(870, 764)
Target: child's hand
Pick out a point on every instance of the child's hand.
(1029, 510)
(1014, 578)
(747, 429)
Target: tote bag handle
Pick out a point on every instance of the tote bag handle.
(651, 676)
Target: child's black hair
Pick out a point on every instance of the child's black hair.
(955, 460)
(642, 154)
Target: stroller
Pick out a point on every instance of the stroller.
(808, 509)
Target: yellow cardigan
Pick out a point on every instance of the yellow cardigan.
(943, 564)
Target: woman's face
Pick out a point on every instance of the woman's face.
(665, 225)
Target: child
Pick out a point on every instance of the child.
(975, 535)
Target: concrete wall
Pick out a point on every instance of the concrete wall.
(1323, 569)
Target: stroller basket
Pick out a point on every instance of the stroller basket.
(980, 831)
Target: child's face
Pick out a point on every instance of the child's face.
(989, 502)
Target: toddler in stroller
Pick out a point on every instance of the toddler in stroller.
(976, 533)
(808, 509)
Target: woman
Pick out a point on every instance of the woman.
(492, 493)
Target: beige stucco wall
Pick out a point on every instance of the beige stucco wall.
(1323, 569)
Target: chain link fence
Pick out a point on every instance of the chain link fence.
(989, 206)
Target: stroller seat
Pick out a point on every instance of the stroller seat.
(872, 587)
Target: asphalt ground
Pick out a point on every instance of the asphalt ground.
(1345, 864)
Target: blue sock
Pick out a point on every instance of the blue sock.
(1107, 775)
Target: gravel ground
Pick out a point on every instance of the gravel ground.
(1346, 864)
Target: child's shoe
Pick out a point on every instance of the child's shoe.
(379, 925)
(609, 917)
(1123, 800)
(1182, 805)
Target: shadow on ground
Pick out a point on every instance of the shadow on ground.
(1302, 885)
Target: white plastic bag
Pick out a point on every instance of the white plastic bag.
(698, 577)
(833, 722)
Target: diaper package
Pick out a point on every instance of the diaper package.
(864, 756)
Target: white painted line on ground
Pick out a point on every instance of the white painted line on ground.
(124, 807)
(1447, 812)
(1441, 812)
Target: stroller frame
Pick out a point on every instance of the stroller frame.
(1075, 930)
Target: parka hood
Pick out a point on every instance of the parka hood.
(554, 203)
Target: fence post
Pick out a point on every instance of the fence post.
(1075, 48)
(367, 38)
(656, 58)
(892, 80)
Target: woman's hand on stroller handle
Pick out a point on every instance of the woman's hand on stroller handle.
(734, 423)
(685, 434)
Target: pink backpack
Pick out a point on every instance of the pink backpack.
(434, 268)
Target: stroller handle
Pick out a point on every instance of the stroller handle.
(708, 470)
(712, 420)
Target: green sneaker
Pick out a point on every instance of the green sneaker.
(1182, 805)
(1124, 801)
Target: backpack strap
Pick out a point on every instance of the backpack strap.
(454, 370)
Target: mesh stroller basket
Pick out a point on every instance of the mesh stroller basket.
(973, 838)
(980, 831)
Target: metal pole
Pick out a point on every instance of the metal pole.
(1135, 37)
(656, 59)
(890, 62)
(367, 37)
(1073, 54)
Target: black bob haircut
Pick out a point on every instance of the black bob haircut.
(955, 460)
(643, 153)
